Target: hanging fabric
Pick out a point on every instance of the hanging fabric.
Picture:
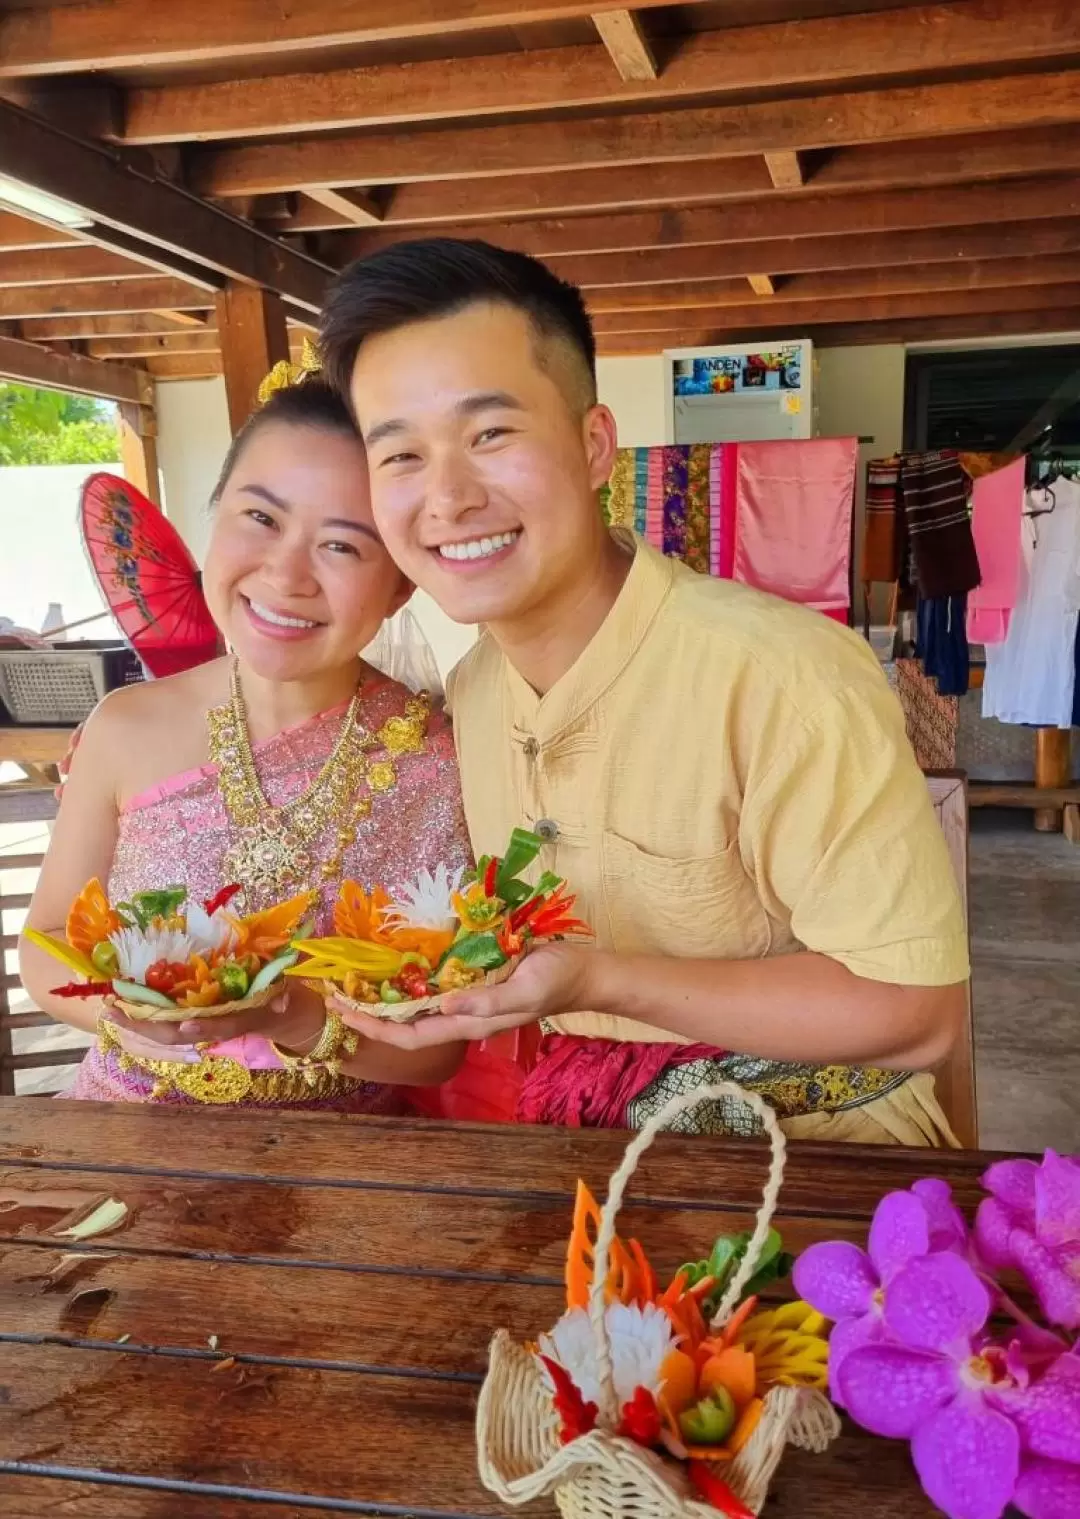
(996, 510)
(793, 520)
(1031, 676)
(941, 643)
(885, 537)
(933, 488)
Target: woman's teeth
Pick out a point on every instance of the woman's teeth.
(266, 615)
(478, 548)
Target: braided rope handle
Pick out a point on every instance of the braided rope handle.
(617, 1189)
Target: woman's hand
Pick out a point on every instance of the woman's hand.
(64, 764)
(294, 1019)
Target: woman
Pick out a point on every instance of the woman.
(253, 770)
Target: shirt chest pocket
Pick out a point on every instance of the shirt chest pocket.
(698, 908)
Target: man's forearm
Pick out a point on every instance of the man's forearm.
(799, 1007)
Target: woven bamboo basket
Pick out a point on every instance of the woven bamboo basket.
(601, 1475)
(421, 1007)
(145, 1012)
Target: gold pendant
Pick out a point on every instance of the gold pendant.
(269, 860)
(216, 1078)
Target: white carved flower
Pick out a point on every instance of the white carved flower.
(426, 902)
(641, 1339)
(139, 948)
(207, 933)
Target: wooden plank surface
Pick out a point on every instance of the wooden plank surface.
(40, 746)
(294, 1318)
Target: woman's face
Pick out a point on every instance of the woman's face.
(296, 575)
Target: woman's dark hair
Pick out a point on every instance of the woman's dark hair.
(438, 276)
(310, 403)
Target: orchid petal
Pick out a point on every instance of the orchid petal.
(851, 1334)
(1048, 1490)
(967, 1457)
(1057, 1200)
(891, 1391)
(948, 1231)
(994, 1225)
(1012, 1182)
(936, 1303)
(899, 1233)
(1056, 1287)
(1047, 1413)
(837, 1279)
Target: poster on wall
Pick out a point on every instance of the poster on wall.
(756, 370)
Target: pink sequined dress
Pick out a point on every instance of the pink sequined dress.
(178, 832)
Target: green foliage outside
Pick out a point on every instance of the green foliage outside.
(49, 427)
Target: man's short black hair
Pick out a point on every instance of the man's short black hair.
(434, 277)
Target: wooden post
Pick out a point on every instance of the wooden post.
(1053, 768)
(253, 335)
(138, 449)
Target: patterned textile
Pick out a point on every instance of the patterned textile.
(793, 499)
(931, 719)
(933, 488)
(886, 529)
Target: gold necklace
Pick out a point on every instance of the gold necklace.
(273, 855)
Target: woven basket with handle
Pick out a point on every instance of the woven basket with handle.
(601, 1475)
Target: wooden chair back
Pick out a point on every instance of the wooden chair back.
(955, 1077)
(21, 804)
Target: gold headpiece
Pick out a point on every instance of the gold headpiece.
(285, 373)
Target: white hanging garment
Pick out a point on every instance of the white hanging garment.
(1031, 675)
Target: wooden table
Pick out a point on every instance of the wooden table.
(36, 751)
(294, 1319)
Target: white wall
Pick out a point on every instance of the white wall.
(193, 439)
(634, 389)
(860, 393)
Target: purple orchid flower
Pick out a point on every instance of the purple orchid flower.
(1048, 1490)
(935, 1387)
(1031, 1221)
(847, 1284)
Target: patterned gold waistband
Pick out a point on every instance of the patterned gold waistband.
(220, 1079)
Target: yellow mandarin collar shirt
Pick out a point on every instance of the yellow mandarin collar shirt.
(720, 774)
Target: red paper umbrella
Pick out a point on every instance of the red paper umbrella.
(147, 576)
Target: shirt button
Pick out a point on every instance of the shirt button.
(547, 830)
(531, 748)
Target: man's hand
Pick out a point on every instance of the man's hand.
(294, 1020)
(552, 980)
(64, 764)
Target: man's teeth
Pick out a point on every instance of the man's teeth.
(478, 548)
(278, 620)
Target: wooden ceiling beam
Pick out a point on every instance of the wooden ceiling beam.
(64, 266)
(800, 215)
(967, 159)
(654, 137)
(786, 170)
(183, 366)
(910, 330)
(824, 52)
(113, 34)
(356, 206)
(962, 275)
(100, 298)
(805, 255)
(778, 315)
(31, 364)
(52, 329)
(135, 201)
(151, 344)
(761, 284)
(22, 234)
(627, 46)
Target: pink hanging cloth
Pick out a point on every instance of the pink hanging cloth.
(997, 505)
(793, 509)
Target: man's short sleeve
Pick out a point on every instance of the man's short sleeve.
(840, 833)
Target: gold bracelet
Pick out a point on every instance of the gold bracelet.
(336, 1042)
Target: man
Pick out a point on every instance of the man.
(723, 778)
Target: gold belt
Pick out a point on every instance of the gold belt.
(220, 1079)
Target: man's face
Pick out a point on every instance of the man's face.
(483, 470)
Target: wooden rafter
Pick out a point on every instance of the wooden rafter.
(746, 220)
(826, 52)
(628, 47)
(65, 266)
(761, 284)
(53, 329)
(356, 206)
(725, 131)
(99, 298)
(18, 232)
(34, 365)
(785, 170)
(136, 202)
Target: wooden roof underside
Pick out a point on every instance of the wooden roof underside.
(712, 171)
